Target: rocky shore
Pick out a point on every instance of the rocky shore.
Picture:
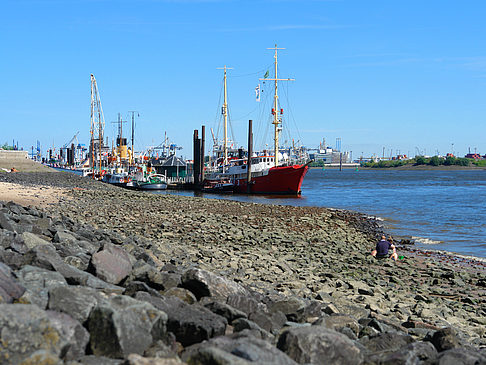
(110, 276)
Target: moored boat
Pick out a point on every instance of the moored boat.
(270, 174)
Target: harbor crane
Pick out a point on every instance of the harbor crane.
(97, 124)
(74, 139)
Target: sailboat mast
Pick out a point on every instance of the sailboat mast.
(225, 116)
(275, 112)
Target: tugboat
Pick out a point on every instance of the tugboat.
(270, 174)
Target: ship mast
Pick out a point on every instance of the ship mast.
(275, 112)
(224, 111)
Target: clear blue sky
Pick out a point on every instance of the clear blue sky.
(396, 74)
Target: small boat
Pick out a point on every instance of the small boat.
(146, 179)
(222, 186)
(152, 182)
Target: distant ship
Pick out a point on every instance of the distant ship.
(270, 174)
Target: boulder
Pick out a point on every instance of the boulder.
(388, 341)
(99, 360)
(31, 240)
(243, 349)
(338, 322)
(122, 325)
(444, 339)
(271, 322)
(41, 357)
(414, 353)
(225, 310)
(245, 303)
(245, 325)
(72, 331)
(38, 281)
(5, 222)
(319, 345)
(204, 283)
(26, 329)
(189, 323)
(76, 301)
(112, 264)
(292, 307)
(134, 359)
(10, 288)
(181, 293)
(461, 356)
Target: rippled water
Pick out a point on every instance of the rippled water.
(445, 210)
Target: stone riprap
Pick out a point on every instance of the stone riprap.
(110, 276)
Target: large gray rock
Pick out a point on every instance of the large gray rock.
(24, 330)
(445, 339)
(77, 301)
(31, 240)
(44, 256)
(338, 322)
(10, 288)
(38, 281)
(6, 223)
(292, 307)
(189, 323)
(235, 349)
(204, 283)
(461, 356)
(122, 325)
(245, 303)
(112, 264)
(319, 345)
(75, 276)
(387, 341)
(414, 353)
(72, 331)
(225, 310)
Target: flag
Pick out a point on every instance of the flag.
(266, 75)
(257, 92)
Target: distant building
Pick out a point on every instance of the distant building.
(475, 156)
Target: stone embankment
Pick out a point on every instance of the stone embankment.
(109, 276)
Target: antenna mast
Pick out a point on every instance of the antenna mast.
(225, 114)
(97, 123)
(277, 114)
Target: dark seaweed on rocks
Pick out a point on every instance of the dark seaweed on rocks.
(109, 276)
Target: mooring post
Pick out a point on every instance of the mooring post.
(197, 164)
(203, 139)
(340, 161)
(250, 153)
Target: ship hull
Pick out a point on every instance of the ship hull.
(282, 180)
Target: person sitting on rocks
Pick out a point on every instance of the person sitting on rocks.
(382, 248)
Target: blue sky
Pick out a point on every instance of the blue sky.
(404, 75)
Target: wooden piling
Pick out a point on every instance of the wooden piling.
(250, 153)
(197, 163)
(203, 139)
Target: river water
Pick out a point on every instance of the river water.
(441, 210)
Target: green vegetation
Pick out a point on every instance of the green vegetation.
(318, 163)
(6, 147)
(480, 163)
(424, 161)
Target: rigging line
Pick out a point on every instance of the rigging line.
(253, 73)
(291, 113)
(244, 116)
(218, 111)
